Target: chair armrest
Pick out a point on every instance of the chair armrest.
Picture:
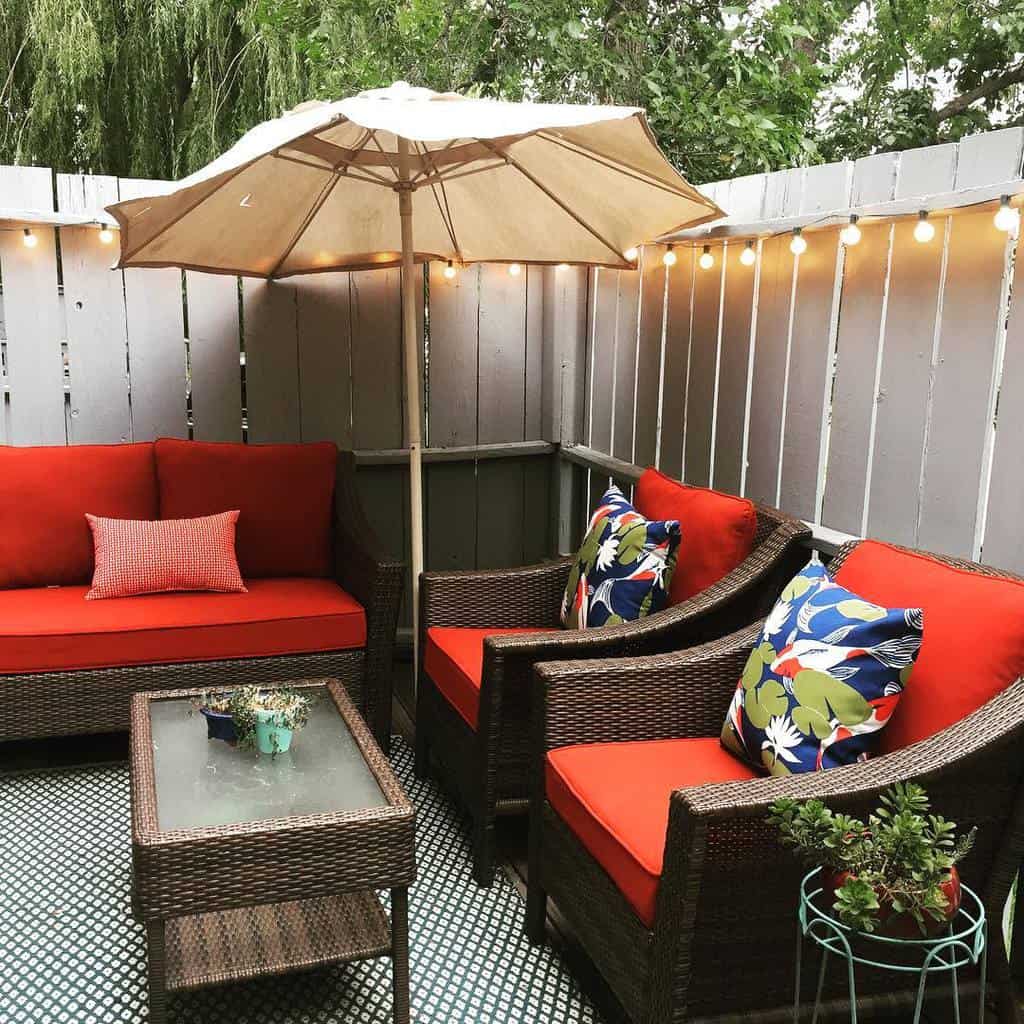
(499, 598)
(683, 694)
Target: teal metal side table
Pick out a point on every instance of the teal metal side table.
(963, 943)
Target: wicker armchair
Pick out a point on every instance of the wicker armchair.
(721, 944)
(488, 767)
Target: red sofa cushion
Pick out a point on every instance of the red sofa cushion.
(454, 661)
(615, 799)
(55, 628)
(985, 612)
(44, 496)
(284, 493)
(718, 530)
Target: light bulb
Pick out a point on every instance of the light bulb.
(748, 257)
(450, 271)
(631, 253)
(1006, 218)
(706, 261)
(851, 233)
(29, 240)
(798, 244)
(924, 229)
(669, 259)
(562, 266)
(106, 236)
(514, 269)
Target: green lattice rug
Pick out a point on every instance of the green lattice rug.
(70, 952)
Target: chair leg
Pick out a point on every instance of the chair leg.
(483, 852)
(422, 724)
(536, 909)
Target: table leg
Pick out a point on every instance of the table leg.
(400, 953)
(821, 985)
(156, 957)
(799, 973)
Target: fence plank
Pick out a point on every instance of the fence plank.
(677, 363)
(700, 389)
(376, 358)
(826, 187)
(270, 319)
(874, 178)
(783, 192)
(602, 359)
(32, 315)
(451, 515)
(769, 379)
(533, 419)
(626, 315)
(214, 356)
(97, 332)
(538, 542)
(384, 495)
(565, 353)
(454, 313)
(323, 308)
(500, 499)
(154, 313)
(501, 368)
(649, 355)
(854, 395)
(1004, 539)
(734, 373)
(963, 380)
(926, 171)
(989, 158)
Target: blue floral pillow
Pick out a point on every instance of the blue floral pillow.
(624, 566)
(823, 680)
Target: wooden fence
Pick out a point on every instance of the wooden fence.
(876, 389)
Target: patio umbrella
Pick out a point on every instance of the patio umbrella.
(338, 186)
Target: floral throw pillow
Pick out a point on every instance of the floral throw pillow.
(824, 678)
(623, 569)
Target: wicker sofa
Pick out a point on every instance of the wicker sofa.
(322, 599)
(716, 942)
(514, 614)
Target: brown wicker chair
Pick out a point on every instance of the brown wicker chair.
(488, 767)
(99, 700)
(721, 945)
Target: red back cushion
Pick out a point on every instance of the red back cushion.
(982, 615)
(284, 494)
(44, 496)
(718, 530)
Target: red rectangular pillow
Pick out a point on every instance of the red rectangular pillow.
(284, 493)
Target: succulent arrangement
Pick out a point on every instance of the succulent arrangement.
(894, 873)
(263, 720)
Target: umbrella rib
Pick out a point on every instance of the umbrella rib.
(438, 176)
(306, 221)
(337, 170)
(445, 209)
(387, 156)
(558, 202)
(422, 171)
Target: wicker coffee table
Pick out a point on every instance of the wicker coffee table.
(246, 866)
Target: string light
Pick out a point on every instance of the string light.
(669, 259)
(631, 253)
(1006, 218)
(850, 235)
(798, 244)
(748, 257)
(514, 269)
(562, 266)
(29, 240)
(450, 271)
(924, 229)
(706, 261)
(106, 236)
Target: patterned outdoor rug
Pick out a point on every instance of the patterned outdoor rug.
(70, 952)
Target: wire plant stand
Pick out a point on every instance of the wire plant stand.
(964, 943)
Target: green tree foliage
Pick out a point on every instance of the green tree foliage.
(159, 87)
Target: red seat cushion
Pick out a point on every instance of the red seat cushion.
(973, 645)
(44, 496)
(615, 799)
(718, 530)
(454, 661)
(55, 628)
(284, 493)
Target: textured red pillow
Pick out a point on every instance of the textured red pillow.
(135, 556)
(718, 530)
(44, 495)
(285, 493)
(973, 645)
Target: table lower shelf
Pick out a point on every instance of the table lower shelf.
(231, 945)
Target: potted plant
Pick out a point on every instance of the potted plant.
(895, 873)
(266, 720)
(215, 708)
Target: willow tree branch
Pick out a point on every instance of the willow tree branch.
(997, 83)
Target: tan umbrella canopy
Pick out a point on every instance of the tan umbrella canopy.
(338, 186)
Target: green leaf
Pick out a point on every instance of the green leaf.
(863, 610)
(829, 697)
(765, 701)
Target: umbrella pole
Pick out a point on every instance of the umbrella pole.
(410, 350)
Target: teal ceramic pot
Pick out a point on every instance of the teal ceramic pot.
(271, 736)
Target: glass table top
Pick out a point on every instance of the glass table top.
(202, 782)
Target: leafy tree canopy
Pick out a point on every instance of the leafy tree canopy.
(157, 88)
